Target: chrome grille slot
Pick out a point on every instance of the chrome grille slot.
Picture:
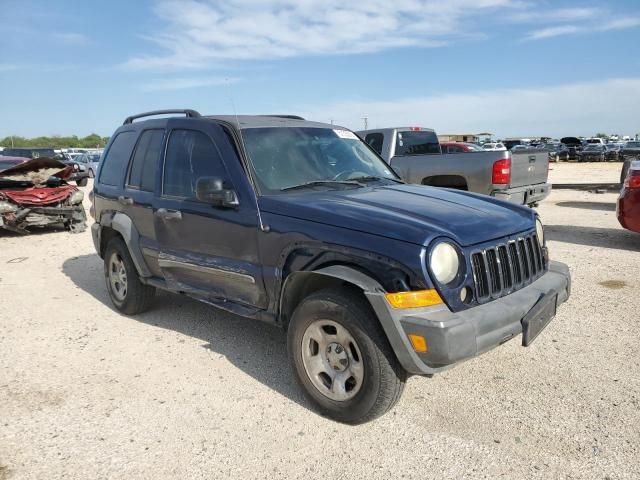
(506, 267)
(503, 256)
(494, 276)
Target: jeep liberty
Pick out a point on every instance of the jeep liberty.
(301, 224)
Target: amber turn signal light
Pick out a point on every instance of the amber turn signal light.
(419, 298)
(419, 343)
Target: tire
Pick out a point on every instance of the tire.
(133, 296)
(556, 158)
(82, 182)
(377, 379)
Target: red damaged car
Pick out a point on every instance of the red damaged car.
(34, 193)
(628, 209)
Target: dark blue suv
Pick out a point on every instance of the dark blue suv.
(302, 224)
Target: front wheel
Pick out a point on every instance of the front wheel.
(342, 358)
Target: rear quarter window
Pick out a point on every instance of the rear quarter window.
(116, 160)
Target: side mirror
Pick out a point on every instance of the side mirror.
(212, 190)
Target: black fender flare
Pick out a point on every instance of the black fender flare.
(123, 224)
(300, 283)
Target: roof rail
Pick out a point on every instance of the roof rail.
(291, 117)
(189, 113)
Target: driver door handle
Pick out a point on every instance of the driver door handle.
(166, 214)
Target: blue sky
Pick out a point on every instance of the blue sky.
(512, 67)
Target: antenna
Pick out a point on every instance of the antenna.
(366, 122)
(263, 227)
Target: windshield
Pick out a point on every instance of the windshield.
(282, 158)
(417, 142)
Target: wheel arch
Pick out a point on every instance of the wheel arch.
(301, 284)
(119, 224)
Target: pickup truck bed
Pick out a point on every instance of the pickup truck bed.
(519, 178)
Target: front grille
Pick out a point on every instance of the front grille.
(507, 267)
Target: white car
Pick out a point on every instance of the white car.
(494, 147)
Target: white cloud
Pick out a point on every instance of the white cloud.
(608, 24)
(199, 32)
(563, 110)
(621, 23)
(536, 15)
(184, 83)
(553, 32)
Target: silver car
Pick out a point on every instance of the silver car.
(90, 161)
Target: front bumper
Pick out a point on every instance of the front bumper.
(524, 195)
(73, 217)
(453, 337)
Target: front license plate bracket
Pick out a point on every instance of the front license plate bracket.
(538, 317)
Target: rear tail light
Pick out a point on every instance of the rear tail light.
(633, 179)
(501, 172)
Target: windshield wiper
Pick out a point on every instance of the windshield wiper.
(315, 183)
(373, 178)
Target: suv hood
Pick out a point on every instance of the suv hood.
(411, 213)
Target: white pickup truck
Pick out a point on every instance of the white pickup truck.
(415, 154)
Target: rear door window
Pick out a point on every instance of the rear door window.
(190, 155)
(418, 142)
(145, 159)
(117, 159)
(375, 141)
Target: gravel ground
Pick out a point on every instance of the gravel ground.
(592, 172)
(185, 391)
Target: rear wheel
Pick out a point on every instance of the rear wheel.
(342, 358)
(127, 292)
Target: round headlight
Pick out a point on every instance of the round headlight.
(540, 232)
(445, 262)
(76, 197)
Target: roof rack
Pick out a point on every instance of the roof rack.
(189, 113)
(291, 117)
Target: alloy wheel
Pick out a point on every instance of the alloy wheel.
(332, 360)
(118, 277)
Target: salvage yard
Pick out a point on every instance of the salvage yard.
(187, 391)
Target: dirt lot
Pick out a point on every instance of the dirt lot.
(185, 391)
(573, 172)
